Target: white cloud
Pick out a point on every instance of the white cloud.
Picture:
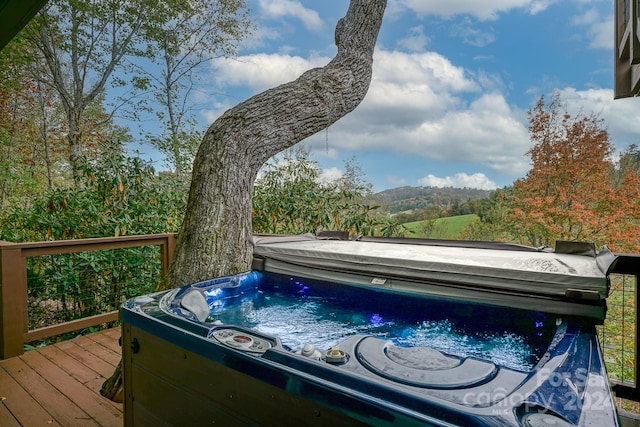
(471, 35)
(418, 104)
(596, 27)
(422, 105)
(540, 6)
(482, 10)
(210, 115)
(620, 116)
(601, 34)
(416, 41)
(588, 17)
(459, 180)
(420, 70)
(260, 36)
(330, 175)
(262, 71)
(278, 9)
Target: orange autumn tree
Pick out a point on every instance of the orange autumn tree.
(569, 193)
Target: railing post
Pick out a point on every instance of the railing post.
(13, 300)
(166, 254)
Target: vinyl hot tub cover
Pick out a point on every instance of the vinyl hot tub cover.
(531, 278)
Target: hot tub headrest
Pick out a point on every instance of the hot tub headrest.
(195, 302)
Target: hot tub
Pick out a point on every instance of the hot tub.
(326, 332)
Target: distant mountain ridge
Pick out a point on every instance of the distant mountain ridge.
(409, 198)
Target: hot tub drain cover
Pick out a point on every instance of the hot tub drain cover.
(422, 366)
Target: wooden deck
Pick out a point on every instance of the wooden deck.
(59, 385)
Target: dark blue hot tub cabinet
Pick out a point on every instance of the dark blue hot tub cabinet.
(184, 366)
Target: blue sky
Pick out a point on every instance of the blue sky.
(452, 83)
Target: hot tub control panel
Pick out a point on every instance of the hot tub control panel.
(241, 340)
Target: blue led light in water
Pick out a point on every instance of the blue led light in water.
(539, 324)
(376, 320)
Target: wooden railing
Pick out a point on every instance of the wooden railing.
(14, 330)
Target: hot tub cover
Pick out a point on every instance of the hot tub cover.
(524, 278)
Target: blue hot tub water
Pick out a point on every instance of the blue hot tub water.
(301, 311)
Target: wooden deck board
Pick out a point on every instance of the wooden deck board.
(98, 349)
(110, 340)
(24, 408)
(71, 366)
(6, 418)
(59, 406)
(59, 385)
(102, 367)
(91, 403)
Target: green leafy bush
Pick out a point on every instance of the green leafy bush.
(118, 196)
(291, 198)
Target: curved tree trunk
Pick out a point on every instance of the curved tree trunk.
(215, 238)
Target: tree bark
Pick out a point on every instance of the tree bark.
(113, 388)
(215, 238)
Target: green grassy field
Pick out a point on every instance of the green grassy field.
(444, 228)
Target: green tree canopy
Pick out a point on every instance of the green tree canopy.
(121, 195)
